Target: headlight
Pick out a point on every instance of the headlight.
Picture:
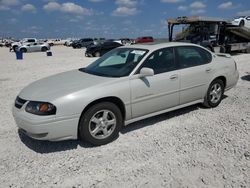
(40, 108)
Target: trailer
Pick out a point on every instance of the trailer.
(215, 34)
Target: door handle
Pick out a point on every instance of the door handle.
(208, 70)
(174, 77)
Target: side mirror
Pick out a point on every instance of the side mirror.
(144, 72)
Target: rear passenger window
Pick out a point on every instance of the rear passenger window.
(190, 56)
(161, 61)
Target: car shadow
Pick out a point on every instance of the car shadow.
(42, 147)
(246, 77)
(156, 119)
(168, 115)
(235, 53)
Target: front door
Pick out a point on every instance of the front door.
(160, 91)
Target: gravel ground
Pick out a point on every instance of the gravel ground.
(191, 147)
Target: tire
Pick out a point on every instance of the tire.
(44, 49)
(24, 50)
(242, 23)
(214, 94)
(100, 124)
(97, 54)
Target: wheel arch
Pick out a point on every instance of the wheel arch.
(222, 78)
(112, 99)
(23, 49)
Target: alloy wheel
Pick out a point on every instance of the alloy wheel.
(102, 124)
(215, 93)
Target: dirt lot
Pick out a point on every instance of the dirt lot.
(191, 147)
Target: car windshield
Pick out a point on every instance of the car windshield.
(116, 63)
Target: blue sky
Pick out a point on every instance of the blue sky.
(105, 18)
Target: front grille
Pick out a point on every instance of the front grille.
(19, 102)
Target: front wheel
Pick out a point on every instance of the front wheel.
(101, 124)
(242, 23)
(15, 48)
(44, 49)
(214, 94)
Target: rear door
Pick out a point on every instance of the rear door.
(195, 72)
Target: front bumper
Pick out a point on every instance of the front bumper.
(46, 127)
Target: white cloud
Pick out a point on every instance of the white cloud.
(126, 8)
(197, 5)
(6, 4)
(28, 8)
(9, 2)
(228, 5)
(75, 9)
(68, 7)
(13, 20)
(182, 8)
(198, 11)
(51, 6)
(244, 13)
(172, 1)
(126, 3)
(125, 11)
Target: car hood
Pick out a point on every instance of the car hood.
(62, 84)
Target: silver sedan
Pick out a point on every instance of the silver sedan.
(125, 85)
(34, 47)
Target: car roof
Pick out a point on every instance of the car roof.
(155, 46)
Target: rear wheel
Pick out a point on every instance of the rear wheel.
(214, 94)
(100, 124)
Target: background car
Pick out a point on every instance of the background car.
(15, 45)
(242, 21)
(34, 47)
(82, 43)
(100, 49)
(124, 41)
(144, 39)
(99, 40)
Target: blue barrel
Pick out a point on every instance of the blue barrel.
(19, 55)
(49, 53)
